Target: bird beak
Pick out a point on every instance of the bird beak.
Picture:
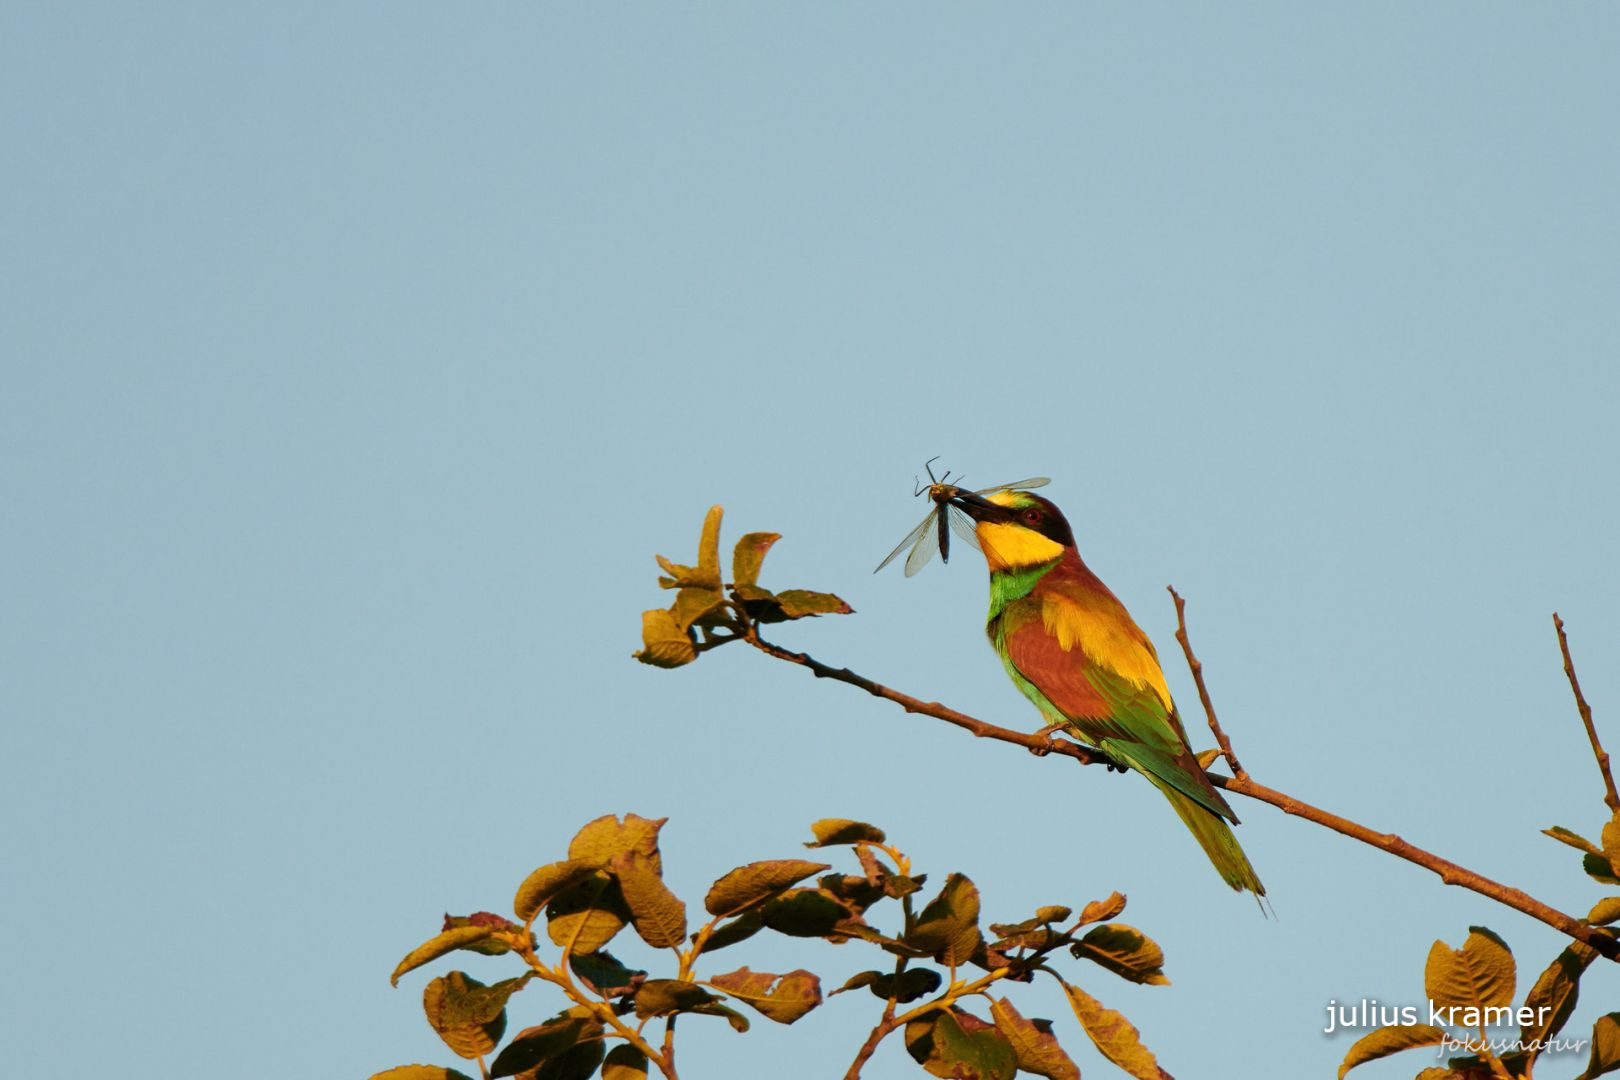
(977, 507)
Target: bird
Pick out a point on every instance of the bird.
(1073, 649)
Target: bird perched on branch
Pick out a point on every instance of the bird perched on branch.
(1073, 649)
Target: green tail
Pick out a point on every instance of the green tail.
(1215, 837)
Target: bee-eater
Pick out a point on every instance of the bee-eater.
(1073, 649)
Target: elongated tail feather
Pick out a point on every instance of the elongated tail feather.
(1216, 838)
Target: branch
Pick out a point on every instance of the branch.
(1203, 692)
(1610, 797)
(1449, 872)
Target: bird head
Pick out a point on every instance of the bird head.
(1016, 529)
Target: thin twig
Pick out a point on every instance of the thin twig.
(1449, 872)
(1034, 743)
(1611, 797)
(1203, 692)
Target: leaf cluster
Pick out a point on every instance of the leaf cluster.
(708, 611)
(940, 956)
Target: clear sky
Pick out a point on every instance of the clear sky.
(358, 358)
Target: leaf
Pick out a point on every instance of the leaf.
(837, 830)
(958, 1045)
(1054, 913)
(588, 915)
(578, 1062)
(758, 880)
(546, 882)
(1605, 1046)
(747, 556)
(800, 603)
(625, 1062)
(1557, 989)
(741, 928)
(664, 642)
(706, 574)
(602, 972)
(1033, 1042)
(545, 1042)
(657, 914)
(1102, 910)
(493, 946)
(1125, 951)
(1113, 1035)
(1479, 975)
(804, 913)
(783, 998)
(1574, 840)
(420, 1072)
(695, 607)
(1605, 911)
(469, 1016)
(599, 840)
(948, 928)
(737, 1020)
(1206, 758)
(665, 997)
(450, 940)
(1389, 1040)
(1611, 837)
(1601, 869)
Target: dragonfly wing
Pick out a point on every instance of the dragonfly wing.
(927, 544)
(911, 538)
(1021, 485)
(962, 526)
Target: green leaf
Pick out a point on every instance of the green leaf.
(747, 556)
(665, 997)
(696, 607)
(535, 1046)
(1611, 837)
(948, 928)
(1573, 839)
(602, 972)
(420, 1072)
(469, 1016)
(589, 914)
(1601, 869)
(837, 830)
(805, 913)
(1605, 911)
(1125, 951)
(1479, 975)
(665, 643)
(1113, 1035)
(800, 603)
(1605, 1046)
(578, 1062)
(539, 887)
(657, 914)
(958, 1045)
(760, 604)
(1102, 910)
(741, 928)
(1557, 990)
(755, 882)
(706, 574)
(737, 1020)
(1389, 1040)
(910, 985)
(1034, 1044)
(450, 940)
(625, 1062)
(599, 840)
(783, 998)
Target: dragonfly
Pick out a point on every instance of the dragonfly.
(944, 519)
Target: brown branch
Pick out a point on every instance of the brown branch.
(1449, 872)
(1203, 692)
(1610, 797)
(1035, 744)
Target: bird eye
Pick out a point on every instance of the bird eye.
(1033, 515)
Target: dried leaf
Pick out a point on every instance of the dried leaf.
(657, 914)
(1125, 951)
(783, 998)
(1102, 910)
(834, 831)
(1479, 975)
(1113, 1035)
(757, 881)
(1032, 1040)
(960, 1046)
(469, 1016)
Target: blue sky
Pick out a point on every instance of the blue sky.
(358, 358)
